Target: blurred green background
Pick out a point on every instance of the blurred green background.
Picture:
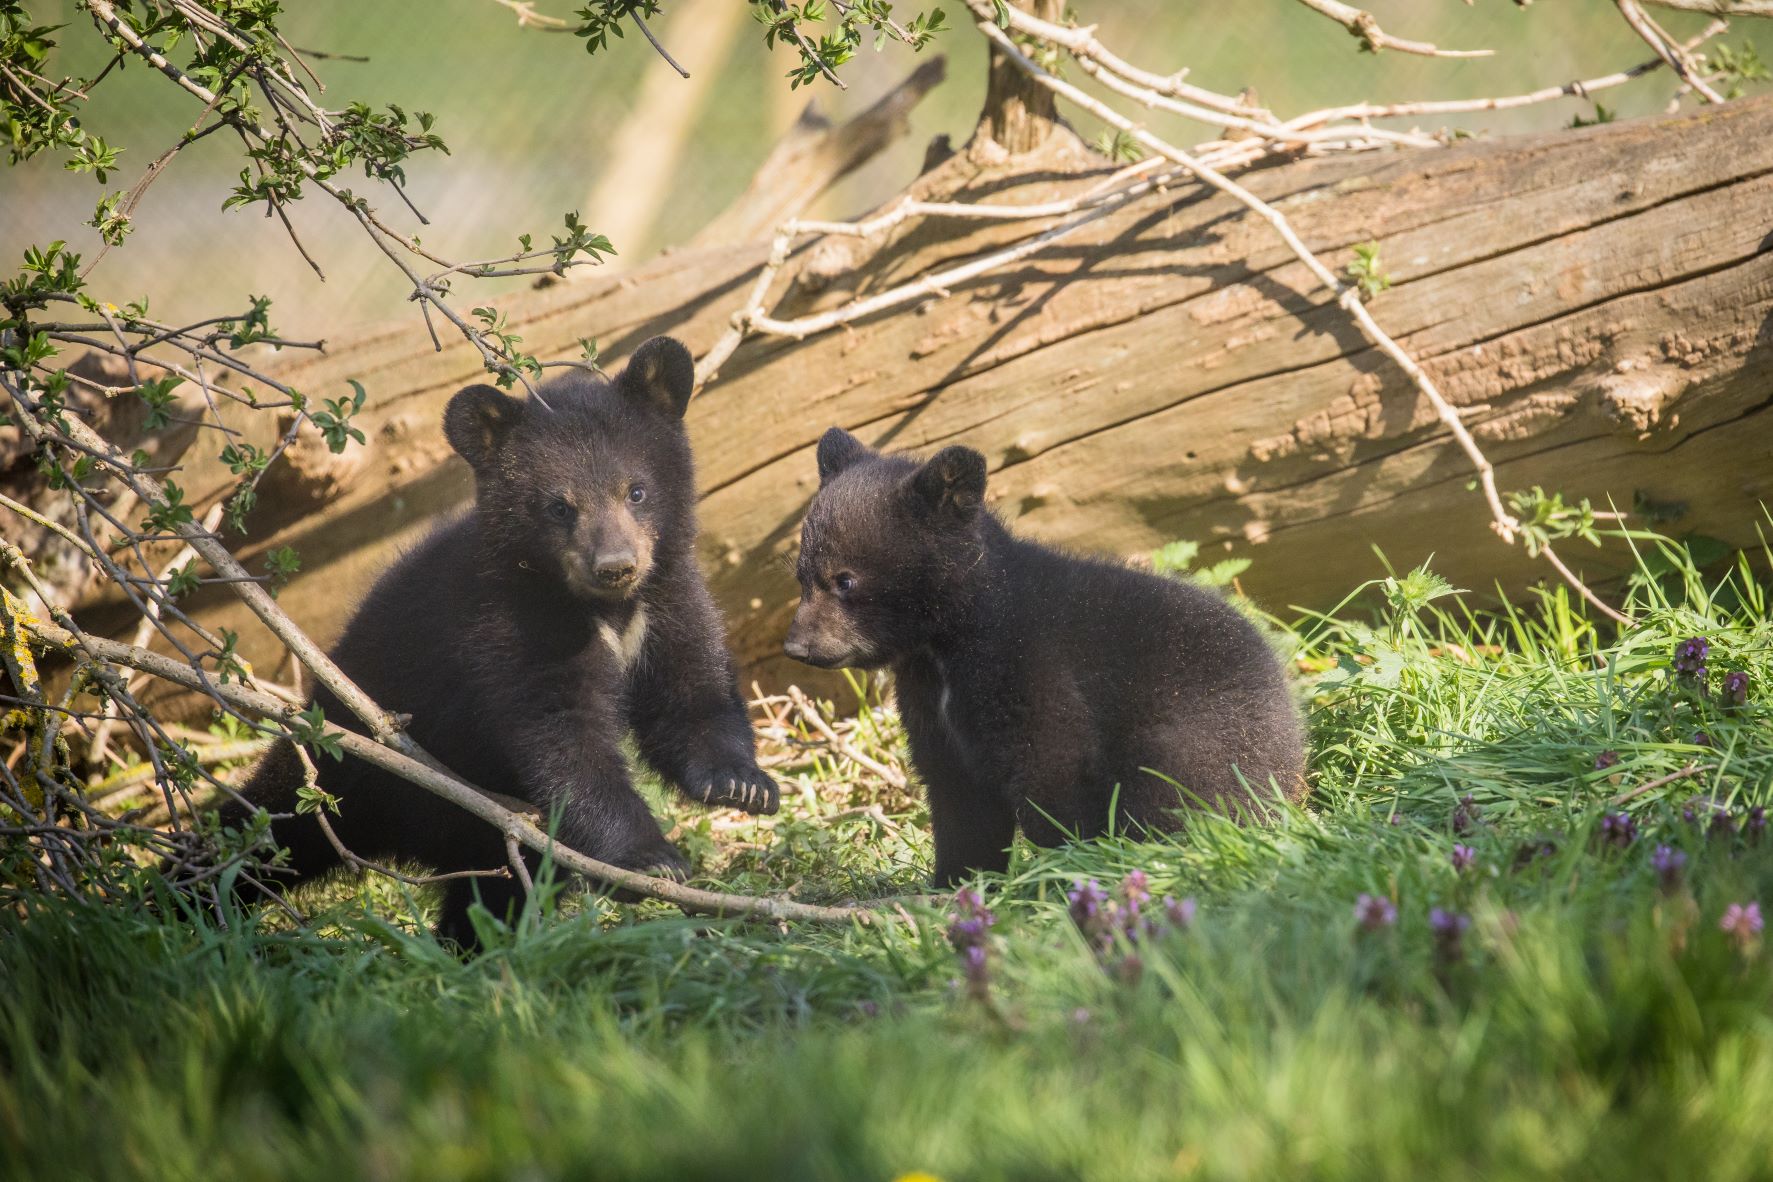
(532, 121)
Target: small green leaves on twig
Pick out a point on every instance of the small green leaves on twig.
(502, 343)
(281, 564)
(335, 421)
(1738, 67)
(1544, 519)
(166, 517)
(855, 18)
(578, 241)
(1118, 146)
(158, 394)
(600, 18)
(1365, 270)
(309, 729)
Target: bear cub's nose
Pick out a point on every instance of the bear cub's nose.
(613, 570)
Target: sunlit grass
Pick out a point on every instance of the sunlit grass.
(1594, 1019)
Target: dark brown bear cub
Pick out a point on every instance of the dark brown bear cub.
(528, 637)
(1036, 687)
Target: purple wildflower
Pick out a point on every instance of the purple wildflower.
(1179, 912)
(1689, 657)
(869, 1009)
(1605, 760)
(969, 935)
(1464, 858)
(1668, 863)
(1373, 912)
(1755, 827)
(1135, 888)
(1742, 923)
(1736, 689)
(1397, 819)
(1618, 830)
(978, 973)
(1723, 823)
(1449, 930)
(1701, 739)
(1089, 909)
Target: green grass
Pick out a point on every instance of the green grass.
(1596, 1023)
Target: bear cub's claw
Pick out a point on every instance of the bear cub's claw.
(747, 788)
(663, 860)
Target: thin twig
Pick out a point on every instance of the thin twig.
(1364, 26)
(846, 749)
(663, 52)
(1666, 47)
(1692, 769)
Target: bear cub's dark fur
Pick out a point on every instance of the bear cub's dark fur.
(1035, 687)
(528, 637)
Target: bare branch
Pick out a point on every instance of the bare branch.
(1666, 47)
(1372, 37)
(663, 52)
(443, 783)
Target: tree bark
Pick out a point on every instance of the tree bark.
(1597, 301)
(1018, 115)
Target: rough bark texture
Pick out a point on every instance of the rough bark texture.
(1597, 300)
(1018, 114)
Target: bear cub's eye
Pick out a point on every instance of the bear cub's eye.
(844, 581)
(559, 510)
(637, 494)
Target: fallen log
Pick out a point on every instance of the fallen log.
(1595, 301)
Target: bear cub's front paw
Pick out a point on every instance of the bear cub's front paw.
(737, 786)
(660, 859)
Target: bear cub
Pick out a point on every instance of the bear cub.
(526, 638)
(1036, 687)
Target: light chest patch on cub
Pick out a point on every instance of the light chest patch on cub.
(626, 644)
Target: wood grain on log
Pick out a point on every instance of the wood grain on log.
(1597, 301)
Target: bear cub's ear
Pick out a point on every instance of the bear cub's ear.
(661, 373)
(838, 449)
(952, 480)
(477, 422)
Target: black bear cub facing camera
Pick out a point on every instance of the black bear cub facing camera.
(1036, 687)
(527, 637)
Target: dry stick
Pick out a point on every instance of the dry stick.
(145, 630)
(1666, 47)
(1266, 129)
(1172, 94)
(751, 316)
(1347, 297)
(1362, 25)
(1719, 7)
(529, 18)
(663, 52)
(846, 749)
(446, 785)
(1692, 769)
(124, 783)
(311, 779)
(1580, 89)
